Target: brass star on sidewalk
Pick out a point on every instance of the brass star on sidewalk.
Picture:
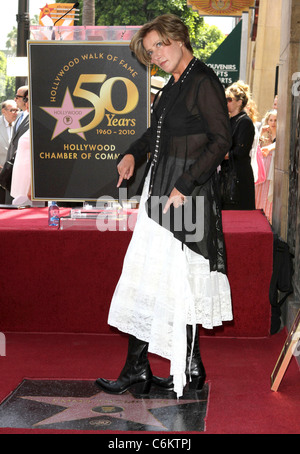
(125, 406)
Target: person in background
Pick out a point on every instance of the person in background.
(21, 175)
(22, 122)
(174, 279)
(20, 127)
(252, 112)
(157, 84)
(243, 133)
(9, 112)
(267, 136)
(267, 140)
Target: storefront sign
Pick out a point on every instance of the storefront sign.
(221, 7)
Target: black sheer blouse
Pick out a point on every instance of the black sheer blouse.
(194, 138)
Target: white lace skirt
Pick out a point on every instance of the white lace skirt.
(162, 288)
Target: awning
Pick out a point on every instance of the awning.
(225, 61)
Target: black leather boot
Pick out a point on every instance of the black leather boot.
(136, 374)
(197, 375)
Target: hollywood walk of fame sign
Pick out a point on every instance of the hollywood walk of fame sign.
(221, 7)
(88, 102)
(81, 405)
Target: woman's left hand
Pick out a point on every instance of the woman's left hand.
(267, 149)
(176, 198)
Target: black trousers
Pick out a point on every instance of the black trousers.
(2, 196)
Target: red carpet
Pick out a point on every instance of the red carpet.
(238, 371)
(62, 282)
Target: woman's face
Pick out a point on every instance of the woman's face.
(272, 122)
(168, 58)
(234, 106)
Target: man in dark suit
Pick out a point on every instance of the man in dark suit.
(21, 126)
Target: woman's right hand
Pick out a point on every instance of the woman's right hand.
(125, 168)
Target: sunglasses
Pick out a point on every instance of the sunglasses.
(19, 96)
(228, 99)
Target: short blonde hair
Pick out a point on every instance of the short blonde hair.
(168, 26)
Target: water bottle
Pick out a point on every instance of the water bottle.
(53, 215)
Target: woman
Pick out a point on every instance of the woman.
(267, 141)
(243, 132)
(21, 175)
(173, 280)
(251, 110)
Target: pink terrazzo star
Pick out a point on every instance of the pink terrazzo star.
(67, 116)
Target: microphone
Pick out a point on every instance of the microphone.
(53, 32)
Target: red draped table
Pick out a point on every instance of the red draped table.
(63, 280)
